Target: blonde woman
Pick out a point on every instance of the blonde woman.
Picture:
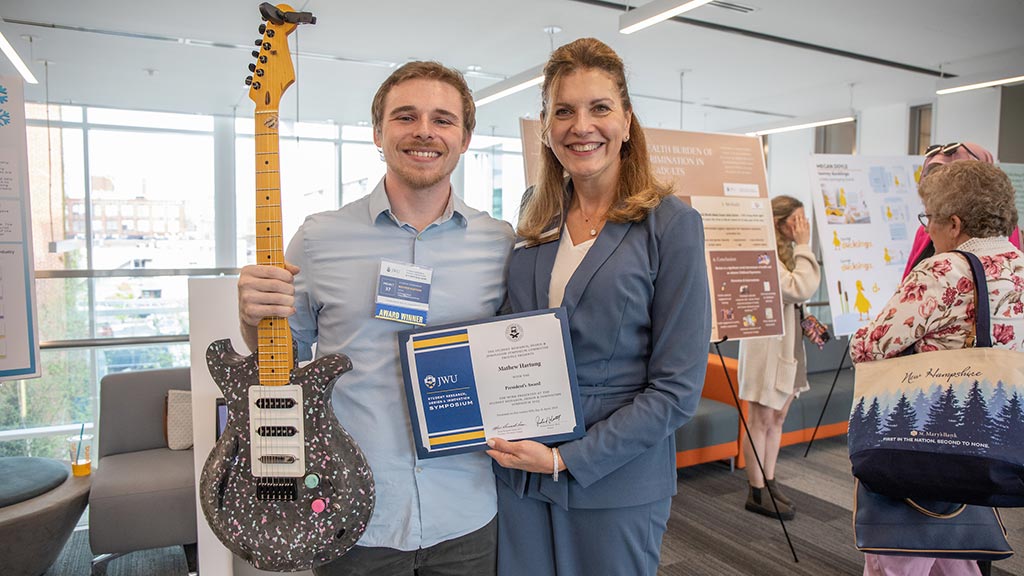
(626, 260)
(773, 371)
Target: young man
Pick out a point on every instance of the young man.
(434, 517)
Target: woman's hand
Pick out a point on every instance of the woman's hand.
(799, 227)
(523, 455)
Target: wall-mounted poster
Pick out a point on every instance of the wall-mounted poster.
(866, 209)
(19, 332)
(723, 177)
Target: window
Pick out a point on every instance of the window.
(920, 128)
(836, 139)
(144, 200)
(127, 200)
(308, 173)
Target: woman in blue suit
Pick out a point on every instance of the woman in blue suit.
(626, 260)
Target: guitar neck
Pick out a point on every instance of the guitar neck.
(275, 336)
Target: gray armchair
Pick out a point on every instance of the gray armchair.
(143, 493)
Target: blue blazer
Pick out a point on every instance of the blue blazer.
(640, 319)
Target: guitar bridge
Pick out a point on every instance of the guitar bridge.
(277, 489)
(277, 459)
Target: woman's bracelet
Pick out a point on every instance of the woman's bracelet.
(554, 458)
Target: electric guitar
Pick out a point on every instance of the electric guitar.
(285, 487)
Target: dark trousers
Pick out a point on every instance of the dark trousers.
(469, 555)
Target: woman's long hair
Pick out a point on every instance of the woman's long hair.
(782, 208)
(638, 192)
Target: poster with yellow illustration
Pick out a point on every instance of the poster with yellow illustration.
(866, 209)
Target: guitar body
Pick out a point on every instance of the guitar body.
(308, 507)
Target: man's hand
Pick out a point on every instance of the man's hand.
(266, 291)
(523, 455)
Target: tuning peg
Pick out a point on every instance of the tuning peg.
(248, 80)
(259, 42)
(266, 45)
(255, 85)
(255, 53)
(263, 59)
(259, 72)
(263, 28)
(270, 33)
(252, 67)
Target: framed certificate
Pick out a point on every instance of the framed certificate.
(510, 377)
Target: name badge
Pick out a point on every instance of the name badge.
(403, 293)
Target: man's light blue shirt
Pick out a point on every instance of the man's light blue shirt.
(419, 502)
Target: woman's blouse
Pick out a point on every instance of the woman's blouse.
(566, 262)
(933, 308)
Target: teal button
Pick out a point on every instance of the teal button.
(312, 481)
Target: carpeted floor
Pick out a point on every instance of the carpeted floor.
(709, 533)
(75, 560)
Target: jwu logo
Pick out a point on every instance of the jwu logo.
(431, 382)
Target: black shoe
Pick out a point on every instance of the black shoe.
(779, 494)
(759, 502)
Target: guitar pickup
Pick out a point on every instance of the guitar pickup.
(275, 403)
(277, 431)
(277, 489)
(277, 459)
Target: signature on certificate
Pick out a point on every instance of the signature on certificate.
(508, 427)
(549, 420)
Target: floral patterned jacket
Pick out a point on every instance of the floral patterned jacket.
(933, 308)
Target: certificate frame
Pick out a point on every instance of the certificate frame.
(461, 439)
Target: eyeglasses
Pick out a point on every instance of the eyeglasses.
(948, 150)
(923, 219)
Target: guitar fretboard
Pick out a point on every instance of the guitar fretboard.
(275, 337)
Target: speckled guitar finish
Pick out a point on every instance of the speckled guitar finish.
(285, 535)
(285, 488)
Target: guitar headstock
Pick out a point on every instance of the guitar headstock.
(272, 73)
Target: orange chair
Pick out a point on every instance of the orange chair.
(715, 431)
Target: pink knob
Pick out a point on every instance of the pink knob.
(319, 505)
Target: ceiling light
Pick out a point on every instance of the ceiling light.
(508, 86)
(965, 83)
(655, 11)
(792, 127)
(16, 60)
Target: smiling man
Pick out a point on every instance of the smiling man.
(432, 517)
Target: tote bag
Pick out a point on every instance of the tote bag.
(965, 442)
(930, 529)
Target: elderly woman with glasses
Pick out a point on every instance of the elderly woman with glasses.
(970, 207)
(939, 155)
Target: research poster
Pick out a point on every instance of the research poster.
(19, 332)
(866, 209)
(1016, 174)
(723, 177)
